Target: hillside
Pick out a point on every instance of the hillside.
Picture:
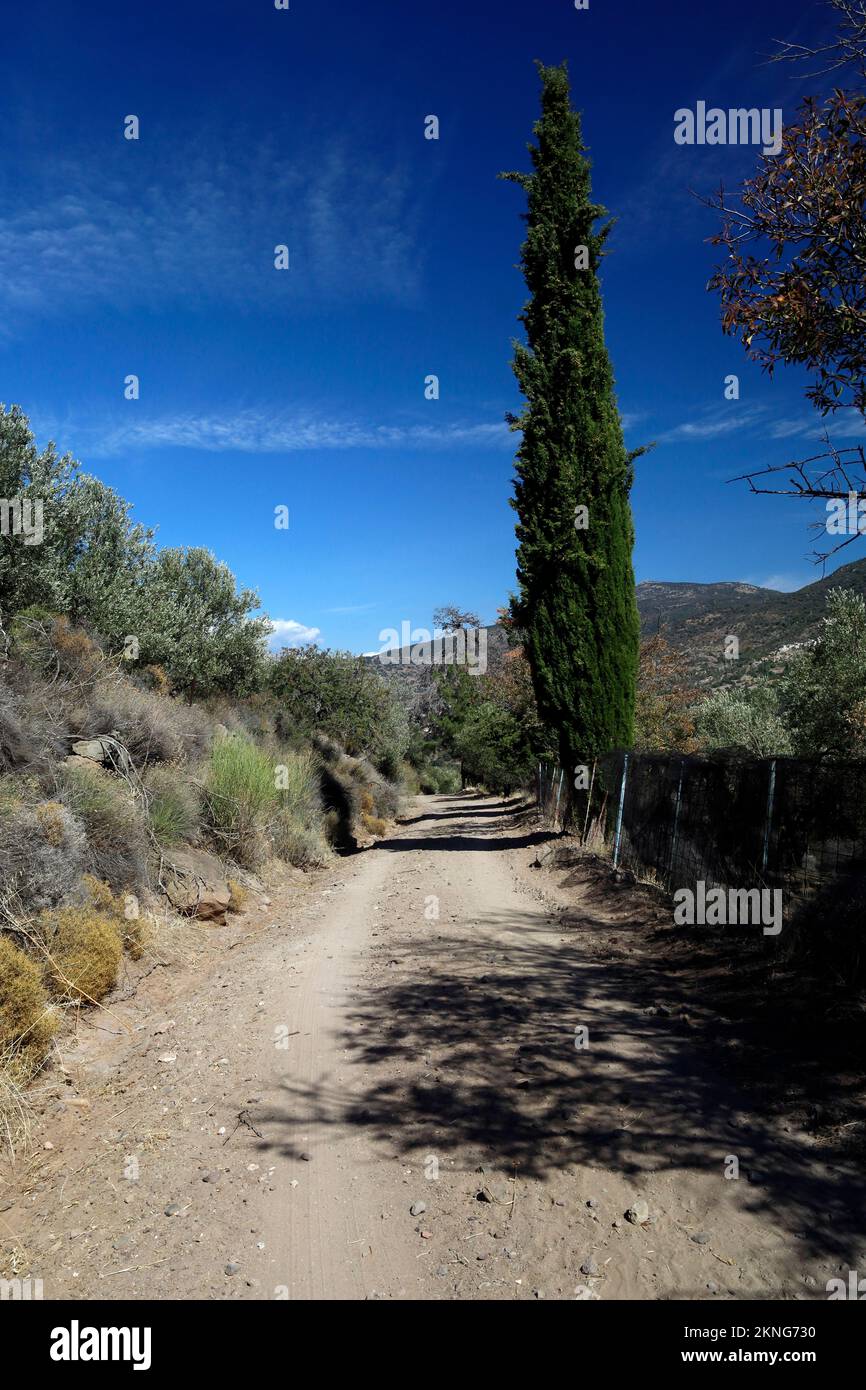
(696, 618)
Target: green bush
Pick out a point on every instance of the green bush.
(240, 799)
(117, 844)
(298, 832)
(173, 807)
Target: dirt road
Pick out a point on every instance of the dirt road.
(434, 1073)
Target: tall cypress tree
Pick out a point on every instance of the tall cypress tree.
(577, 602)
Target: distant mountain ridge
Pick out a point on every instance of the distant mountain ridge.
(696, 618)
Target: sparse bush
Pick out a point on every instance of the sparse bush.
(409, 779)
(43, 852)
(173, 807)
(743, 719)
(297, 831)
(154, 728)
(304, 846)
(30, 719)
(239, 896)
(130, 927)
(50, 643)
(116, 838)
(438, 780)
(341, 803)
(28, 1021)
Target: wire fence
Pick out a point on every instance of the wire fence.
(777, 821)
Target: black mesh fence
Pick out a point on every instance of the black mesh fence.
(780, 821)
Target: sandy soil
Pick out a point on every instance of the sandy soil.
(403, 1032)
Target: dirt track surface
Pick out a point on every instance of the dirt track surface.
(399, 1032)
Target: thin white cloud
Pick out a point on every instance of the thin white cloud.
(259, 432)
(131, 228)
(845, 424)
(285, 632)
(352, 608)
(713, 425)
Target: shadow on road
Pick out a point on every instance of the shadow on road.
(468, 1044)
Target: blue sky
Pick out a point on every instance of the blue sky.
(305, 387)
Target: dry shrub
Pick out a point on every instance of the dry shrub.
(117, 841)
(43, 852)
(84, 949)
(153, 728)
(239, 896)
(155, 678)
(28, 1021)
(18, 746)
(123, 909)
(304, 846)
(50, 643)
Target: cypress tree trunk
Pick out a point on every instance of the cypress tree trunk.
(577, 601)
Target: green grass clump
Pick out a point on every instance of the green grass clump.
(240, 799)
(173, 808)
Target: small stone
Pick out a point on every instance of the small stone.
(212, 1177)
(638, 1213)
(48, 1144)
(173, 1209)
(702, 1238)
(591, 1202)
(426, 1235)
(617, 1224)
(590, 1267)
(442, 1272)
(712, 1287)
(306, 1158)
(232, 1268)
(418, 1208)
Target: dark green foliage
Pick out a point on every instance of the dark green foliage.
(338, 695)
(97, 568)
(576, 603)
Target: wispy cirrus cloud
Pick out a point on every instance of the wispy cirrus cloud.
(846, 424)
(136, 229)
(352, 608)
(714, 425)
(258, 431)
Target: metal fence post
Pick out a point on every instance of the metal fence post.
(771, 796)
(558, 794)
(619, 812)
(677, 817)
